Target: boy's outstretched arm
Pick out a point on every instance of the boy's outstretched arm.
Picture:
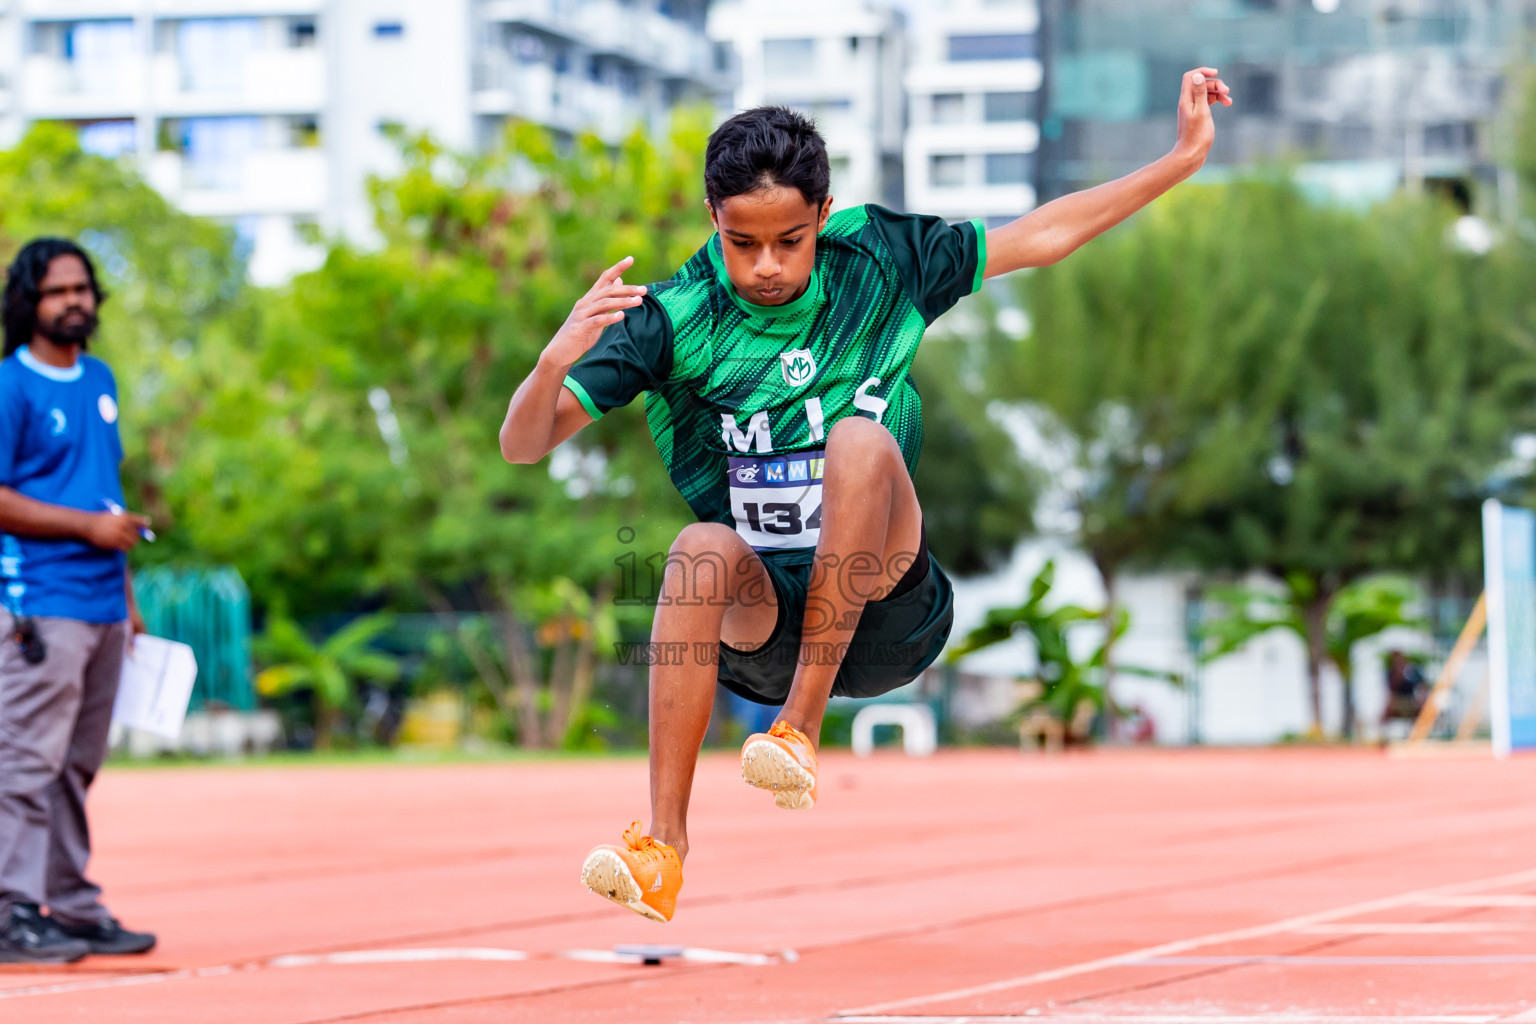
(1058, 228)
(543, 414)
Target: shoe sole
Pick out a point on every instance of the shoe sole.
(8, 957)
(767, 765)
(606, 874)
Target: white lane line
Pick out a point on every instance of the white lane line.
(1525, 1017)
(392, 956)
(1451, 960)
(1417, 927)
(397, 956)
(1290, 924)
(1187, 1018)
(1497, 899)
(688, 953)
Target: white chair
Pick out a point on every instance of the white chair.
(919, 732)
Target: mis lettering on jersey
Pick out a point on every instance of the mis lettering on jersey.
(732, 436)
(866, 402)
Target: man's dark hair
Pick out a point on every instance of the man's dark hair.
(23, 286)
(763, 147)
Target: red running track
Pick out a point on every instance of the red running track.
(1226, 887)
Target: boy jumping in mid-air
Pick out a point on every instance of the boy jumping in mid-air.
(775, 366)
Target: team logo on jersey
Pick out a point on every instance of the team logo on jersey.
(747, 474)
(56, 421)
(108, 408)
(798, 366)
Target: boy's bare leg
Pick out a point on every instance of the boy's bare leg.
(715, 588)
(871, 528)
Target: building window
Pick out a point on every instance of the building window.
(388, 30)
(212, 52)
(215, 149)
(528, 48)
(1451, 139)
(95, 52)
(946, 170)
(1009, 168)
(303, 131)
(1005, 46)
(302, 33)
(1009, 106)
(949, 108)
(1261, 93)
(108, 138)
(789, 56)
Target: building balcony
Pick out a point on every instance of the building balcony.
(989, 202)
(999, 137)
(263, 181)
(235, 8)
(978, 75)
(663, 45)
(54, 88)
(535, 92)
(269, 81)
(76, 10)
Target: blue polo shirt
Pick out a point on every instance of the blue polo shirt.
(59, 444)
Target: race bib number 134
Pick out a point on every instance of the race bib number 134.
(776, 499)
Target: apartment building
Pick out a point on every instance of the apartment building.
(1366, 95)
(973, 94)
(271, 114)
(838, 61)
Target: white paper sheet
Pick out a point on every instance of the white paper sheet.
(156, 686)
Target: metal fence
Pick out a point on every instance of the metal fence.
(210, 610)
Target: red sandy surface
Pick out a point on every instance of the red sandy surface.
(1291, 886)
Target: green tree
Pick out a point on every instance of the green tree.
(366, 462)
(330, 670)
(1071, 688)
(177, 302)
(1243, 379)
(1361, 610)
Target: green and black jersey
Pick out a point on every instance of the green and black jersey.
(736, 390)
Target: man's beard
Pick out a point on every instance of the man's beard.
(68, 329)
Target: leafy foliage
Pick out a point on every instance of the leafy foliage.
(1068, 685)
(1359, 611)
(329, 670)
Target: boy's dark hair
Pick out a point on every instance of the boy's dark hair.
(764, 147)
(23, 286)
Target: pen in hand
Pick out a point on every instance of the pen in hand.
(117, 510)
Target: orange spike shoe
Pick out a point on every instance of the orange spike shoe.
(783, 760)
(641, 874)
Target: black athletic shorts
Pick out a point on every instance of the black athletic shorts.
(895, 640)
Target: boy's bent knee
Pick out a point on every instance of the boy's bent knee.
(699, 539)
(857, 442)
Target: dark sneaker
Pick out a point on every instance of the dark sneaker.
(30, 938)
(109, 939)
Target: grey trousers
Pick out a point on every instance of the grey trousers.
(54, 719)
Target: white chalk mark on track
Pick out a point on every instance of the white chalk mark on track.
(393, 956)
(1166, 949)
(1187, 1018)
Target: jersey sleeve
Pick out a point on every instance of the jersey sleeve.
(13, 411)
(116, 431)
(631, 356)
(940, 263)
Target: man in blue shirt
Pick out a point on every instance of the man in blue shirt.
(67, 612)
